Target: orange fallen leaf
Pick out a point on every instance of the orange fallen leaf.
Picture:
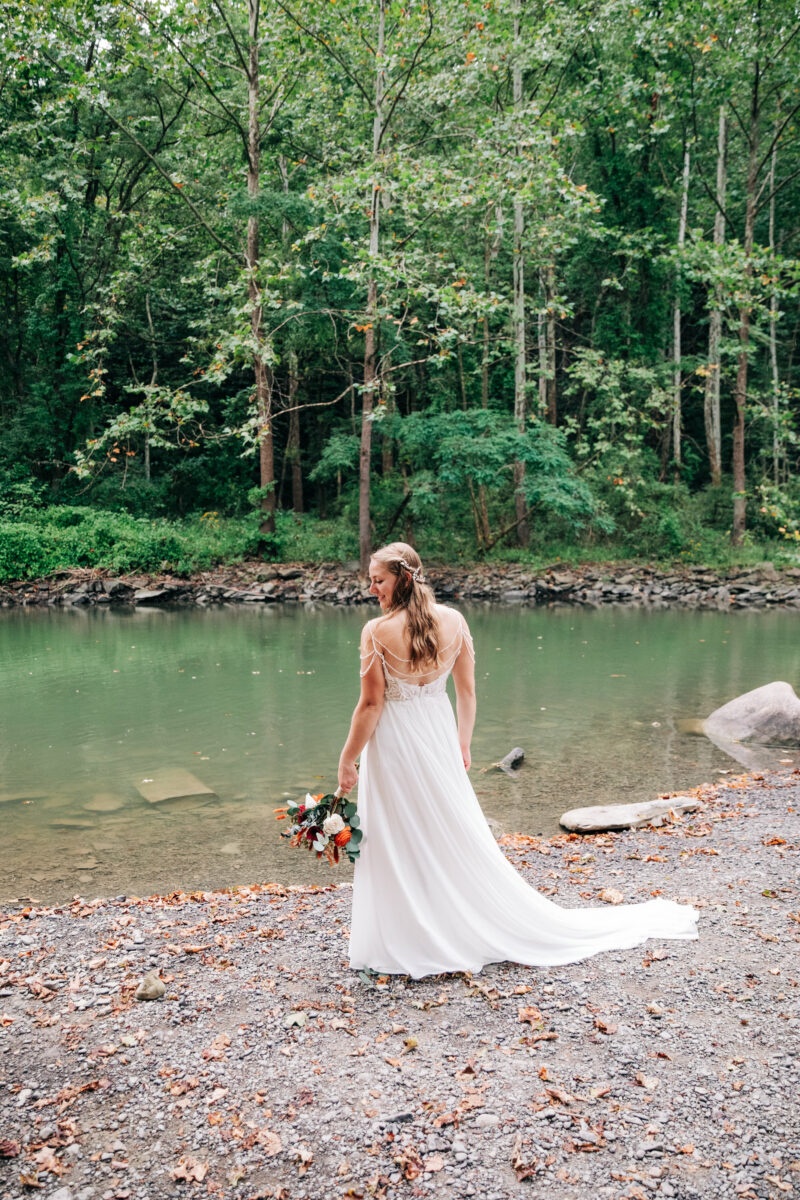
(190, 1170)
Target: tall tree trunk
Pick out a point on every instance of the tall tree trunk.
(711, 413)
(676, 324)
(293, 439)
(261, 371)
(773, 333)
(541, 342)
(153, 379)
(745, 315)
(520, 373)
(370, 358)
(550, 348)
(491, 248)
(293, 447)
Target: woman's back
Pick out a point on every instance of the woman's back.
(389, 638)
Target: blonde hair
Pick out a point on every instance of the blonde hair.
(414, 596)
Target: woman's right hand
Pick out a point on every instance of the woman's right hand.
(348, 776)
(467, 758)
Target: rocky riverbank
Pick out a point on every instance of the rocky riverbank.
(268, 1069)
(256, 582)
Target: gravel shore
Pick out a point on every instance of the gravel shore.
(268, 1069)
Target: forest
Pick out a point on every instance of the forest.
(292, 278)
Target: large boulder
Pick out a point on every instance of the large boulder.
(767, 716)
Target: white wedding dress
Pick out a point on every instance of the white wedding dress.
(432, 890)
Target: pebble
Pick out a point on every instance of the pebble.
(213, 1067)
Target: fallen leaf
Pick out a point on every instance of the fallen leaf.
(434, 1163)
(522, 1169)
(295, 1018)
(648, 1082)
(530, 1015)
(607, 1027)
(304, 1159)
(190, 1170)
(611, 896)
(270, 1143)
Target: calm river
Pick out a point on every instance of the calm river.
(255, 703)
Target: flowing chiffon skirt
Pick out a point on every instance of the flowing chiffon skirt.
(432, 890)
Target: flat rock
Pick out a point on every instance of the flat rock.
(173, 783)
(767, 716)
(600, 817)
(150, 595)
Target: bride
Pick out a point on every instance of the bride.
(432, 890)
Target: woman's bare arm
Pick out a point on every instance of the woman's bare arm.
(365, 714)
(464, 680)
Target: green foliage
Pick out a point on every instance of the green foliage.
(131, 324)
(64, 537)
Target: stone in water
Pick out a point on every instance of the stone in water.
(769, 716)
(174, 783)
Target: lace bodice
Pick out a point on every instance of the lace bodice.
(405, 685)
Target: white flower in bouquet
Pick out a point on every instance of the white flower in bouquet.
(333, 825)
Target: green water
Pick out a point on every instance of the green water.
(255, 703)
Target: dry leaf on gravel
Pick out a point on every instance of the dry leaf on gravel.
(190, 1170)
(523, 1169)
(269, 1142)
(605, 1026)
(303, 1158)
(611, 896)
(648, 1082)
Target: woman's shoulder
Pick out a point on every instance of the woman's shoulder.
(451, 616)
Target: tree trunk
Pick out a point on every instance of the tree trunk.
(370, 358)
(293, 439)
(773, 337)
(745, 314)
(261, 371)
(541, 342)
(711, 413)
(293, 447)
(550, 346)
(520, 396)
(490, 251)
(487, 252)
(676, 325)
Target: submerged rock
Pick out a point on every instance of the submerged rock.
(767, 716)
(174, 783)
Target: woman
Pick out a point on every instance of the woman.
(432, 891)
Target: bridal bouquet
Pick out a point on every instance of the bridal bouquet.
(324, 824)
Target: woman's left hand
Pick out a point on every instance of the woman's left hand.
(348, 776)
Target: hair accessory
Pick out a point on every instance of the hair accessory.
(414, 572)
